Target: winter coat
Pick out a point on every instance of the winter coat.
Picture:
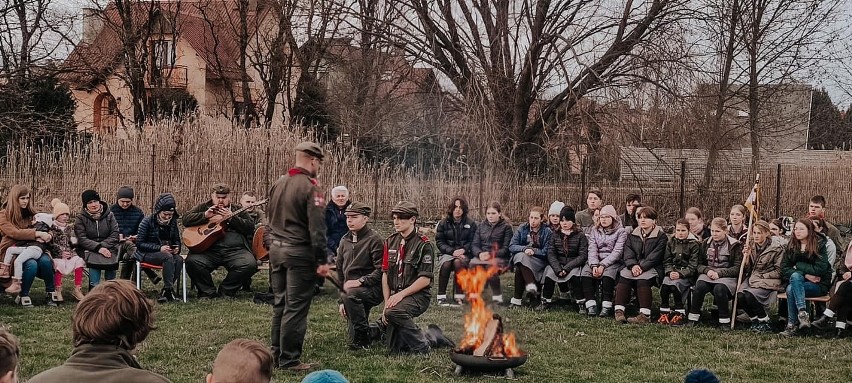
(521, 241)
(12, 234)
(335, 222)
(92, 235)
(488, 234)
(796, 261)
(606, 247)
(63, 240)
(646, 251)
(360, 255)
(764, 269)
(682, 256)
(128, 219)
(451, 235)
(99, 363)
(727, 266)
(567, 251)
(152, 235)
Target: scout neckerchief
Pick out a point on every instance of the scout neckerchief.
(400, 265)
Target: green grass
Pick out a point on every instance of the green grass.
(562, 345)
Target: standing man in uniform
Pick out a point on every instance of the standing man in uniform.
(359, 268)
(406, 279)
(298, 253)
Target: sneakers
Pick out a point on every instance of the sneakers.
(78, 293)
(56, 296)
(823, 323)
(619, 316)
(804, 319)
(742, 317)
(50, 301)
(24, 301)
(582, 309)
(592, 311)
(443, 302)
(789, 331)
(663, 319)
(760, 327)
(676, 319)
(15, 287)
(605, 312)
(5, 271)
(639, 319)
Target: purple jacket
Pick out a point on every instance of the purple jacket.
(606, 246)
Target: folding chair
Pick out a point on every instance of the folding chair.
(142, 265)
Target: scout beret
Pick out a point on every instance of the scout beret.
(310, 149)
(405, 207)
(221, 188)
(359, 208)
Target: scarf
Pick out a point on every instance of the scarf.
(163, 222)
(96, 215)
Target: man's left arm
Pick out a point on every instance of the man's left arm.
(242, 223)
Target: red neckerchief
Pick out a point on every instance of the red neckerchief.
(295, 171)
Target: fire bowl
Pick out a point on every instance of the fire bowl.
(487, 363)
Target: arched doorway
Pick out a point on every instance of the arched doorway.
(105, 114)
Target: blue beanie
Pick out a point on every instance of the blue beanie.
(701, 376)
(325, 376)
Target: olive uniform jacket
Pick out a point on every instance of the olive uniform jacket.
(406, 259)
(359, 257)
(296, 214)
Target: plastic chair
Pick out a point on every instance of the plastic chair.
(142, 265)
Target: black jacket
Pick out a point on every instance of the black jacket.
(451, 236)
(152, 235)
(128, 219)
(648, 251)
(335, 222)
(567, 252)
(487, 235)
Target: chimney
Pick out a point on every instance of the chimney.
(92, 24)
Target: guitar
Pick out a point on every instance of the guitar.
(257, 247)
(200, 238)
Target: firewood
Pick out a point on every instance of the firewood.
(492, 331)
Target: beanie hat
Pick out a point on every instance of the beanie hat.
(325, 376)
(124, 192)
(165, 202)
(44, 218)
(89, 196)
(567, 214)
(610, 211)
(701, 376)
(59, 208)
(555, 207)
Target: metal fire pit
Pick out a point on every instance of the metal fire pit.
(465, 362)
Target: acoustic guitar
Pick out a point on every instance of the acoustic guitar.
(257, 247)
(200, 238)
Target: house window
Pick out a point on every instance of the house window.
(163, 54)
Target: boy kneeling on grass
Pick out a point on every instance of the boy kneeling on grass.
(242, 360)
(10, 353)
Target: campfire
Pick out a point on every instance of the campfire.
(485, 346)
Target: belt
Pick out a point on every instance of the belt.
(281, 243)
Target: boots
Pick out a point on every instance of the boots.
(619, 316)
(823, 323)
(5, 271)
(56, 296)
(436, 337)
(78, 293)
(15, 287)
(639, 319)
(166, 296)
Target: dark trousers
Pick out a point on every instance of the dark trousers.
(666, 293)
(293, 275)
(523, 277)
(752, 307)
(573, 284)
(402, 334)
(358, 302)
(171, 265)
(607, 288)
(444, 275)
(841, 301)
(239, 263)
(721, 297)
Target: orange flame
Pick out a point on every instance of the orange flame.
(472, 281)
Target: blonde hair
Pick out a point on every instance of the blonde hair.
(115, 313)
(244, 361)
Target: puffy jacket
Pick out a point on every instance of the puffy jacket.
(521, 241)
(606, 246)
(764, 269)
(567, 251)
(682, 256)
(796, 261)
(727, 266)
(152, 235)
(646, 251)
(93, 234)
(451, 235)
(128, 219)
(488, 234)
(335, 222)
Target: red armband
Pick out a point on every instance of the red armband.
(385, 266)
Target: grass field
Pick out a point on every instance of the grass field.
(562, 345)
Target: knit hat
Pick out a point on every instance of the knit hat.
(567, 214)
(90, 195)
(555, 207)
(610, 211)
(165, 202)
(325, 376)
(44, 218)
(124, 192)
(59, 208)
(701, 376)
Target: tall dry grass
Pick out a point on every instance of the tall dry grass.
(186, 159)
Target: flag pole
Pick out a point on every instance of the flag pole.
(752, 218)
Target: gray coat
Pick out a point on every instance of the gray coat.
(92, 234)
(606, 247)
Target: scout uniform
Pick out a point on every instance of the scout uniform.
(296, 214)
(359, 257)
(231, 252)
(407, 259)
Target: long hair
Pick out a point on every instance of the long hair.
(464, 206)
(14, 213)
(811, 244)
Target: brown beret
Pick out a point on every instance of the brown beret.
(405, 207)
(221, 188)
(310, 149)
(358, 208)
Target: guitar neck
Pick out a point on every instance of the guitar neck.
(244, 208)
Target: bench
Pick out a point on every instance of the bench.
(810, 307)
